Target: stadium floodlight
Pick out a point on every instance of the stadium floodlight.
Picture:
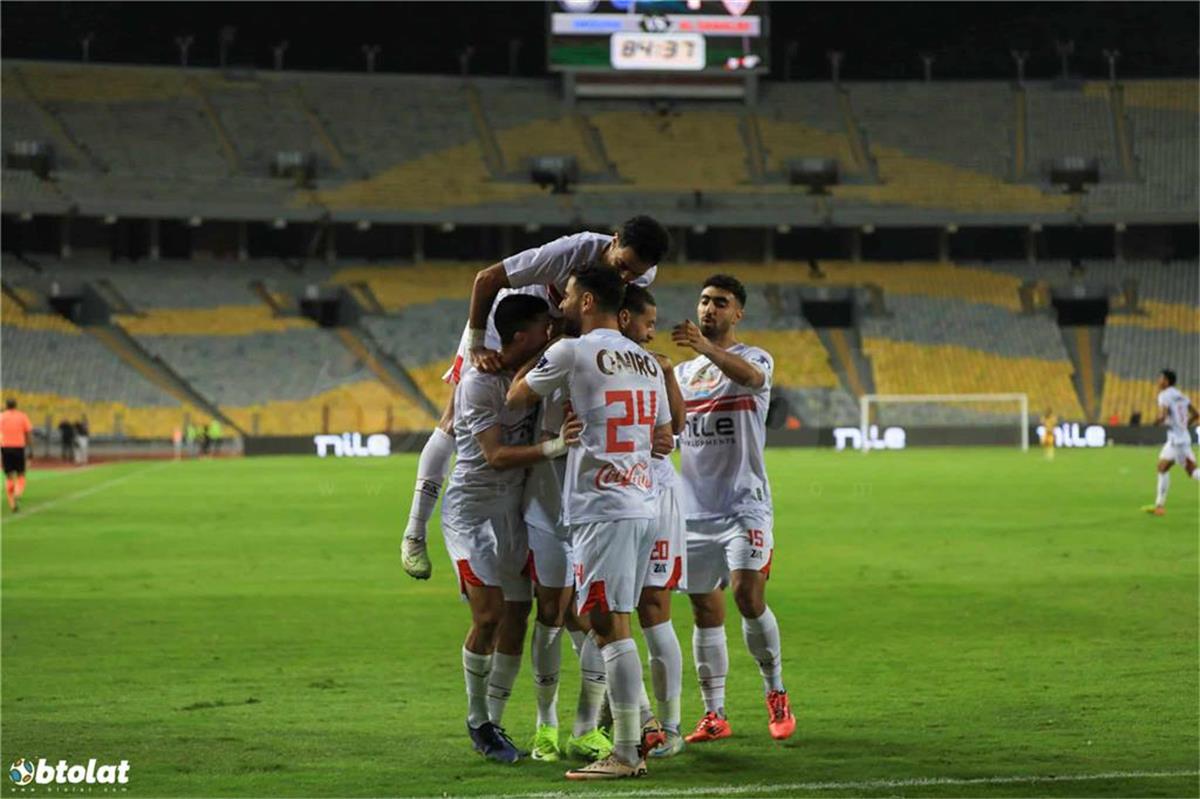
(184, 43)
(1111, 56)
(927, 60)
(1020, 56)
(989, 401)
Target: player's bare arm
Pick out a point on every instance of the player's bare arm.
(505, 456)
(488, 283)
(520, 395)
(674, 395)
(737, 369)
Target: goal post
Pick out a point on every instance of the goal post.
(869, 401)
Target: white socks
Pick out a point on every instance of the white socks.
(476, 669)
(624, 670)
(500, 684)
(762, 639)
(1164, 482)
(545, 654)
(431, 473)
(592, 684)
(712, 664)
(666, 671)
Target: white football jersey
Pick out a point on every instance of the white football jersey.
(552, 263)
(664, 474)
(1176, 405)
(544, 485)
(616, 390)
(721, 447)
(479, 404)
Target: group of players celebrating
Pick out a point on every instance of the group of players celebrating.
(563, 493)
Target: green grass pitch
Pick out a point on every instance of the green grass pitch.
(955, 622)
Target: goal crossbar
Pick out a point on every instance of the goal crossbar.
(866, 400)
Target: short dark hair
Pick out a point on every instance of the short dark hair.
(1170, 375)
(604, 284)
(637, 299)
(648, 238)
(515, 312)
(10, 403)
(727, 283)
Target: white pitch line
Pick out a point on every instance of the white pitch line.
(25, 514)
(780, 789)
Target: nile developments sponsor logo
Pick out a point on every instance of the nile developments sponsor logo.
(27, 772)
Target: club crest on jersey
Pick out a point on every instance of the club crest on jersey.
(612, 362)
(704, 379)
(609, 476)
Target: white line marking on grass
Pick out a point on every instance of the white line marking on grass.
(25, 514)
(779, 789)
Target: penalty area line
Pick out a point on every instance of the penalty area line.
(779, 789)
(86, 492)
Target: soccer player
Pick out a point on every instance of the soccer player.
(1179, 415)
(15, 436)
(632, 252)
(482, 524)
(616, 390)
(668, 559)
(1049, 422)
(727, 502)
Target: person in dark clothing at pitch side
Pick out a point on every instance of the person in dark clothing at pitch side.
(66, 434)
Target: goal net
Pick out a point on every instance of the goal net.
(883, 416)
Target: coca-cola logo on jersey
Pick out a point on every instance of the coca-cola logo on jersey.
(609, 476)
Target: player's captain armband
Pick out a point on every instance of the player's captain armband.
(475, 338)
(554, 448)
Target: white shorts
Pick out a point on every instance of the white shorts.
(668, 557)
(551, 558)
(715, 547)
(611, 560)
(487, 542)
(1179, 453)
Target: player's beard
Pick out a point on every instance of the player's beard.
(571, 327)
(711, 330)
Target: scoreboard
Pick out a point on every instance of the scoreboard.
(658, 36)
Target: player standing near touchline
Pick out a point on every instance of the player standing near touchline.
(1179, 415)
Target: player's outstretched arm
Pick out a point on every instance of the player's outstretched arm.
(488, 283)
(507, 456)
(737, 369)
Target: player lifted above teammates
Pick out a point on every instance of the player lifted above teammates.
(1179, 415)
(632, 252)
(668, 559)
(616, 389)
(481, 520)
(15, 436)
(727, 502)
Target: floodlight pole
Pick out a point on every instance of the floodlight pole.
(85, 45)
(278, 50)
(1020, 56)
(1065, 51)
(1112, 56)
(184, 43)
(514, 50)
(464, 59)
(835, 64)
(371, 52)
(927, 60)
(225, 41)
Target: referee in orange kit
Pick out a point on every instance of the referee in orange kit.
(15, 436)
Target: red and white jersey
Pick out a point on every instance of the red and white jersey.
(721, 447)
(552, 263)
(1176, 405)
(479, 404)
(616, 390)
